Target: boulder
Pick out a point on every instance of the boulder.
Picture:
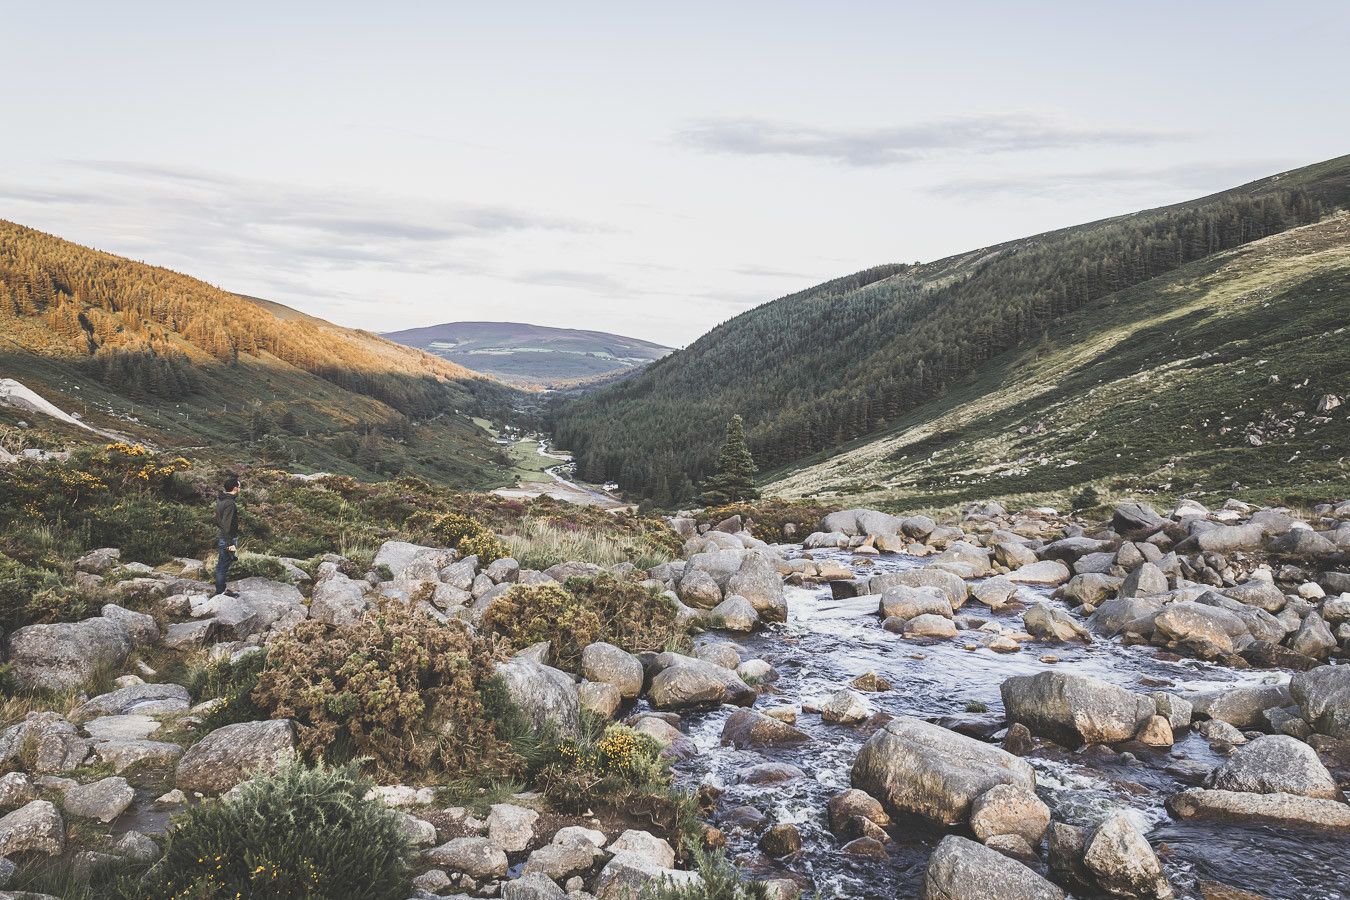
(1123, 863)
(851, 804)
(905, 602)
(1227, 538)
(1207, 631)
(47, 741)
(628, 876)
(1146, 580)
(930, 626)
(995, 593)
(543, 693)
(699, 589)
(338, 600)
(143, 629)
(105, 799)
(235, 753)
(1283, 810)
(66, 656)
(736, 613)
(1075, 709)
(572, 851)
(1010, 809)
(1133, 517)
(1313, 637)
(914, 767)
(599, 699)
(1047, 571)
(952, 587)
(846, 707)
(748, 728)
(1276, 764)
(477, 857)
(138, 699)
(690, 683)
(1258, 593)
(1243, 705)
(1013, 555)
(608, 664)
(1125, 614)
(100, 561)
(532, 886)
(1089, 588)
(1052, 623)
(1323, 697)
(511, 827)
(36, 827)
(961, 869)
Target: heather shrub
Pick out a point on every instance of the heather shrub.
(632, 616)
(396, 687)
(300, 832)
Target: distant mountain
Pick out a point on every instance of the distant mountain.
(173, 361)
(1157, 304)
(533, 355)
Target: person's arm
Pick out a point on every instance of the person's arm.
(234, 528)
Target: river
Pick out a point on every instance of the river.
(826, 643)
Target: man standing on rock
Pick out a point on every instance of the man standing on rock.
(227, 532)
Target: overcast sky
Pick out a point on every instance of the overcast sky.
(622, 167)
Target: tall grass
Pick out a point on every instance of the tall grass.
(539, 544)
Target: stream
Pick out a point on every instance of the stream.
(826, 643)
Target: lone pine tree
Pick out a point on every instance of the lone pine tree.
(734, 478)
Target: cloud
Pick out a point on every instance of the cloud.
(993, 133)
(593, 282)
(1196, 177)
(766, 272)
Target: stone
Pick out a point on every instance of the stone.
(1313, 638)
(1276, 764)
(511, 827)
(1217, 731)
(1323, 696)
(1013, 555)
(139, 699)
(1010, 809)
(699, 589)
(756, 671)
(1047, 571)
(1283, 810)
(599, 699)
(628, 875)
(736, 613)
(105, 799)
(235, 753)
(569, 853)
(1241, 706)
(16, 789)
(123, 755)
(1065, 846)
(961, 869)
(996, 593)
(35, 827)
(1052, 623)
(1208, 631)
(1144, 581)
(338, 600)
(136, 846)
(645, 846)
(769, 773)
(719, 653)
(781, 840)
(1156, 732)
(846, 707)
(100, 561)
(477, 857)
(49, 743)
(1075, 709)
(66, 656)
(1134, 517)
(608, 664)
(906, 602)
(951, 587)
(1123, 863)
(533, 886)
(851, 804)
(914, 767)
(543, 693)
(871, 683)
(1125, 614)
(692, 683)
(748, 728)
(142, 628)
(930, 626)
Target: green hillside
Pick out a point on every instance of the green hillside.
(841, 363)
(166, 359)
(533, 355)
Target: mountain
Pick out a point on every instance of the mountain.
(532, 355)
(165, 358)
(906, 352)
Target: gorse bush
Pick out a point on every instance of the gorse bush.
(397, 687)
(581, 612)
(603, 768)
(300, 832)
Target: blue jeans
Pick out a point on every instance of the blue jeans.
(224, 560)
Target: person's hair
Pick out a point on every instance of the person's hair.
(231, 483)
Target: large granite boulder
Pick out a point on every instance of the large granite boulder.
(686, 682)
(917, 768)
(608, 664)
(545, 694)
(1276, 764)
(1123, 863)
(1075, 709)
(67, 655)
(235, 753)
(961, 869)
(1323, 696)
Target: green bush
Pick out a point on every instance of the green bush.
(249, 565)
(233, 683)
(30, 595)
(1087, 498)
(298, 833)
(397, 687)
(721, 880)
(603, 768)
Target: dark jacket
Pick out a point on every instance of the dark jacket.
(227, 517)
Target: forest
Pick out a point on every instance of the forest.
(812, 371)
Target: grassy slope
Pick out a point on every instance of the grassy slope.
(1152, 389)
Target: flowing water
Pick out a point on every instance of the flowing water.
(826, 643)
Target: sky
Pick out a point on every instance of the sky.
(648, 169)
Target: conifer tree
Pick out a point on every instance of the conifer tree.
(734, 479)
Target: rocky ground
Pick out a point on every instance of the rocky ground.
(1237, 587)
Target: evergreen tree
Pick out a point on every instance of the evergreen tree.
(734, 479)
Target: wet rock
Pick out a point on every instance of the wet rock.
(781, 840)
(608, 664)
(719, 653)
(1074, 709)
(1323, 696)
(1123, 863)
(543, 693)
(906, 602)
(846, 707)
(865, 847)
(1286, 810)
(914, 767)
(930, 626)
(1009, 809)
(1176, 710)
(235, 753)
(690, 683)
(1125, 614)
(960, 869)
(769, 773)
(871, 683)
(1065, 847)
(743, 817)
(1241, 706)
(843, 808)
(952, 587)
(1051, 623)
(1207, 631)
(66, 656)
(747, 728)
(1090, 589)
(1047, 571)
(1019, 741)
(511, 827)
(104, 800)
(36, 827)
(1156, 732)
(1217, 731)
(477, 857)
(996, 593)
(1276, 764)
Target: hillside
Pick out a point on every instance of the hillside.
(164, 358)
(828, 368)
(532, 355)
